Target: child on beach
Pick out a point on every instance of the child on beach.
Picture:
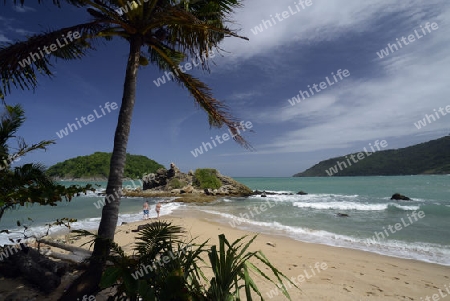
(145, 209)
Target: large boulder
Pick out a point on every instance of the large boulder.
(173, 171)
(398, 196)
(154, 180)
(233, 186)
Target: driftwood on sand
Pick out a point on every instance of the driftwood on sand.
(77, 254)
(24, 261)
(34, 267)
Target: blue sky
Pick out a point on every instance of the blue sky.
(380, 100)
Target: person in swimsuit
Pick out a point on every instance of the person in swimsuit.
(146, 213)
(158, 208)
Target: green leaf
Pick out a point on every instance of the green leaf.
(110, 276)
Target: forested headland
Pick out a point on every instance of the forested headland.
(432, 157)
(96, 166)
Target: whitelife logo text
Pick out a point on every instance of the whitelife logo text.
(86, 120)
(35, 56)
(225, 137)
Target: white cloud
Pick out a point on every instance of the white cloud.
(413, 83)
(23, 31)
(22, 8)
(4, 39)
(388, 108)
(323, 20)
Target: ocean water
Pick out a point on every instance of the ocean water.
(417, 229)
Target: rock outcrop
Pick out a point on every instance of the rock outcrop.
(175, 182)
(398, 196)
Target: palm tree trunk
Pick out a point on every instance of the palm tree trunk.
(87, 283)
(110, 212)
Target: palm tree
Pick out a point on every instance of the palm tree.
(163, 32)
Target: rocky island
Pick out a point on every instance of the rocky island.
(201, 185)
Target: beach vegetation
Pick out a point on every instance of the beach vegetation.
(206, 178)
(166, 267)
(176, 183)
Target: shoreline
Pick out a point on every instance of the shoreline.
(248, 227)
(321, 271)
(350, 274)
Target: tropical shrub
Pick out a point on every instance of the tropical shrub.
(207, 178)
(177, 184)
(164, 268)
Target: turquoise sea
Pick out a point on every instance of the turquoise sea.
(417, 229)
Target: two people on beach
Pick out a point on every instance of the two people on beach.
(146, 209)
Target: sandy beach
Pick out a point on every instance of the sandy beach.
(322, 272)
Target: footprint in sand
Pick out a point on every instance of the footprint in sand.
(430, 285)
(396, 278)
(377, 288)
(380, 270)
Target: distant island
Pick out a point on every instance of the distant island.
(96, 167)
(432, 157)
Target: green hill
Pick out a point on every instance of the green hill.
(97, 166)
(432, 157)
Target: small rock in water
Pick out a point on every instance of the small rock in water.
(397, 196)
(342, 215)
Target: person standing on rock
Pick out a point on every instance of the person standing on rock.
(145, 209)
(158, 208)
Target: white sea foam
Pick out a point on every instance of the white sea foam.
(428, 252)
(307, 197)
(341, 206)
(87, 223)
(352, 206)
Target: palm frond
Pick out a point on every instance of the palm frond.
(20, 62)
(187, 32)
(10, 121)
(218, 113)
(156, 237)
